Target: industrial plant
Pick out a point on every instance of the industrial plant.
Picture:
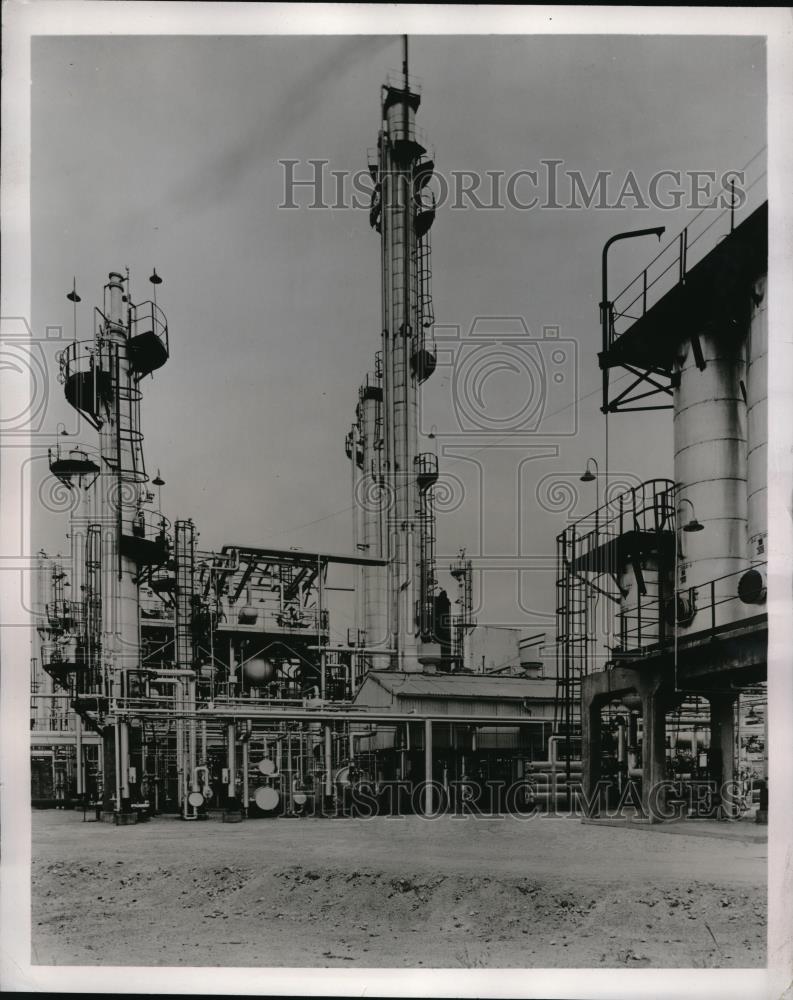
(170, 678)
(207, 682)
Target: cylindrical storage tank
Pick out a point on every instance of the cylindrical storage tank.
(710, 470)
(752, 584)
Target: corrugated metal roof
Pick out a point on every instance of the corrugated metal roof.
(402, 685)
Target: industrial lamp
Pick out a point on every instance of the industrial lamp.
(693, 524)
(159, 482)
(155, 279)
(588, 476)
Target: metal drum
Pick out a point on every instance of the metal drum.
(266, 766)
(266, 798)
(195, 799)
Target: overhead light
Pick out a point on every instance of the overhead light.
(693, 524)
(589, 476)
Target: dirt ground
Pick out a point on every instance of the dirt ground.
(446, 893)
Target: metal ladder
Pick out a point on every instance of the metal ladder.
(572, 645)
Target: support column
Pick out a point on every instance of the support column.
(722, 751)
(123, 732)
(232, 813)
(78, 743)
(428, 767)
(328, 762)
(590, 750)
(653, 753)
(245, 768)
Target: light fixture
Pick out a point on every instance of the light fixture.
(693, 524)
(155, 279)
(589, 476)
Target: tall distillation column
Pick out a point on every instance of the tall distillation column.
(366, 452)
(100, 380)
(401, 216)
(117, 481)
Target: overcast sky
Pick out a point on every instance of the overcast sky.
(164, 152)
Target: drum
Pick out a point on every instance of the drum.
(266, 798)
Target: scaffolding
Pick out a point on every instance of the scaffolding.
(463, 623)
(622, 554)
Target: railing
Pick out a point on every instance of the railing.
(147, 317)
(65, 615)
(396, 79)
(150, 525)
(700, 609)
(647, 507)
(76, 460)
(78, 357)
(263, 617)
(425, 465)
(671, 264)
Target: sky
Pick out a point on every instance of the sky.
(164, 152)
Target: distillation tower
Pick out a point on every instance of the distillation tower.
(392, 478)
(92, 642)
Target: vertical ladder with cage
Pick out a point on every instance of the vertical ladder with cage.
(426, 466)
(93, 607)
(572, 646)
(424, 254)
(184, 554)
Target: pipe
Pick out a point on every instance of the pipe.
(124, 757)
(78, 742)
(428, 767)
(192, 750)
(328, 762)
(232, 766)
(117, 752)
(605, 305)
(245, 763)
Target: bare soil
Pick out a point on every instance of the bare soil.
(445, 893)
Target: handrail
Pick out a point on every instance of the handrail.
(677, 258)
(616, 511)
